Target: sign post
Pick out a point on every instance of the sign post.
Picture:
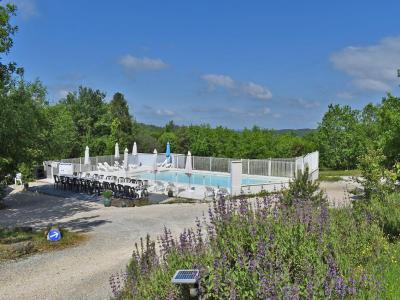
(54, 235)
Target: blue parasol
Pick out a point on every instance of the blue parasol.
(168, 152)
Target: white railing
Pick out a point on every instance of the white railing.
(265, 187)
(276, 167)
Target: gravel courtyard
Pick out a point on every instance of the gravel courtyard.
(83, 272)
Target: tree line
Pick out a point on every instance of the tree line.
(32, 130)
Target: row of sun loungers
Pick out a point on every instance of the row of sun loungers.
(209, 193)
(105, 167)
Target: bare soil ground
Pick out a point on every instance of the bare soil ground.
(83, 272)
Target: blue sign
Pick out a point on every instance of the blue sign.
(54, 235)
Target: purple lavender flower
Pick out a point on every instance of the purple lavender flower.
(351, 289)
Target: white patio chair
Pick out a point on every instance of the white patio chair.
(222, 192)
(209, 192)
(18, 179)
(159, 186)
(108, 167)
(101, 167)
(174, 188)
(131, 166)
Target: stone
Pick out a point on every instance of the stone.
(22, 248)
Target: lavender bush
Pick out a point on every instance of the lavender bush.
(263, 250)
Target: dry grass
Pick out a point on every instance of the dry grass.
(19, 243)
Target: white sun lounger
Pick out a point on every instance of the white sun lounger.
(108, 167)
(101, 167)
(222, 192)
(176, 189)
(159, 186)
(165, 164)
(209, 192)
(131, 166)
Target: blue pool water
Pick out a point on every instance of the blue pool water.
(199, 178)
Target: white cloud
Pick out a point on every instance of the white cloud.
(133, 63)
(371, 84)
(345, 95)
(62, 93)
(240, 112)
(256, 90)
(165, 112)
(25, 8)
(265, 110)
(305, 103)
(372, 67)
(215, 80)
(249, 88)
(277, 115)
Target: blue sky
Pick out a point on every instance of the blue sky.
(274, 64)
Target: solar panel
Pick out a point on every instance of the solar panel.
(186, 276)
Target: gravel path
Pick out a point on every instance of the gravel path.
(338, 192)
(82, 272)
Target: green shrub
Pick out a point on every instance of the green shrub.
(3, 186)
(26, 171)
(376, 180)
(387, 212)
(285, 252)
(302, 188)
(107, 194)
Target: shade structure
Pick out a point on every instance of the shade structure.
(87, 158)
(155, 163)
(126, 159)
(134, 153)
(116, 156)
(168, 152)
(188, 166)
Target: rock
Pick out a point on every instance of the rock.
(22, 248)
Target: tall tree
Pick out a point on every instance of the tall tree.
(339, 140)
(87, 108)
(122, 122)
(389, 128)
(7, 31)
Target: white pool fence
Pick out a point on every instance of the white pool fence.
(276, 167)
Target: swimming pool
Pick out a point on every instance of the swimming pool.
(200, 178)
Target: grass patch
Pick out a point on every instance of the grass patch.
(329, 172)
(391, 273)
(180, 200)
(18, 243)
(330, 178)
(336, 175)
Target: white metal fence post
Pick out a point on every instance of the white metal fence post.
(269, 167)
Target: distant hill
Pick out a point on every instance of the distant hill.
(298, 132)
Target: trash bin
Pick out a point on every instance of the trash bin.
(38, 172)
